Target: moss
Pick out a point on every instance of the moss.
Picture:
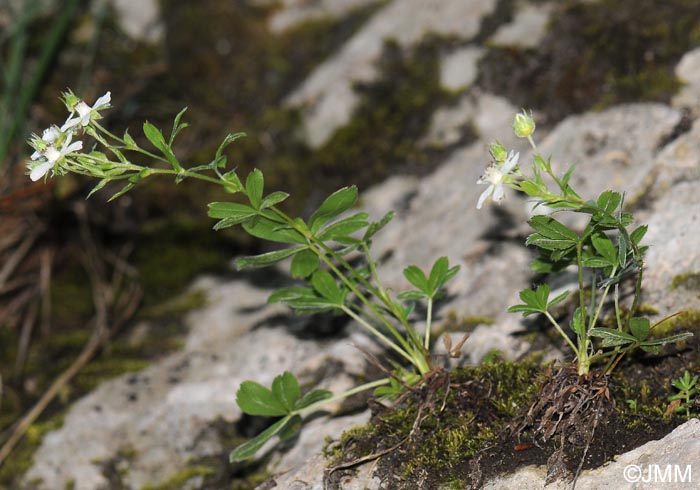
(462, 421)
(597, 54)
(21, 458)
(687, 320)
(179, 479)
(689, 280)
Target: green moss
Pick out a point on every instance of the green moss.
(478, 405)
(687, 320)
(179, 479)
(21, 458)
(597, 54)
(689, 280)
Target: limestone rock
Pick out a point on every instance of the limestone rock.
(527, 28)
(327, 96)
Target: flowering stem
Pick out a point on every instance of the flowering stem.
(561, 331)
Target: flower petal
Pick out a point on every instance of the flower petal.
(484, 195)
(40, 170)
(499, 193)
(102, 101)
(510, 162)
(70, 122)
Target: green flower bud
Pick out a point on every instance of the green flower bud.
(498, 153)
(70, 100)
(523, 125)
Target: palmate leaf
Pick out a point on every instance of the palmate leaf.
(255, 399)
(262, 226)
(285, 388)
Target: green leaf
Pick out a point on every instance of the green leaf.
(273, 198)
(325, 285)
(129, 141)
(549, 227)
(312, 397)
(123, 191)
(291, 293)
(267, 229)
(155, 136)
(254, 187)
(266, 259)
(230, 138)
(344, 227)
(291, 428)
(550, 244)
(608, 201)
(285, 388)
(558, 299)
(637, 235)
(99, 186)
(411, 295)
(254, 399)
(668, 340)
(612, 337)
(374, 227)
(417, 277)
(230, 210)
(341, 200)
(577, 324)
(233, 181)
(248, 449)
(304, 264)
(640, 328)
(177, 127)
(605, 247)
(596, 262)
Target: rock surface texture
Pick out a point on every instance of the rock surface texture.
(164, 416)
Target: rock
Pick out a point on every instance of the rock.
(527, 28)
(163, 415)
(614, 149)
(294, 12)
(673, 225)
(458, 69)
(670, 463)
(140, 19)
(327, 97)
(688, 72)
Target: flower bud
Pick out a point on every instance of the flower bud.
(498, 153)
(523, 125)
(70, 100)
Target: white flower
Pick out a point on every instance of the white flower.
(51, 156)
(85, 112)
(49, 135)
(495, 176)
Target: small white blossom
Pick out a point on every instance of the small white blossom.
(48, 137)
(85, 112)
(51, 156)
(495, 176)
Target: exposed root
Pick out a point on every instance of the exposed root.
(569, 407)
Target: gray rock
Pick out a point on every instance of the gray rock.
(140, 19)
(294, 12)
(673, 236)
(458, 69)
(688, 71)
(163, 414)
(528, 27)
(327, 97)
